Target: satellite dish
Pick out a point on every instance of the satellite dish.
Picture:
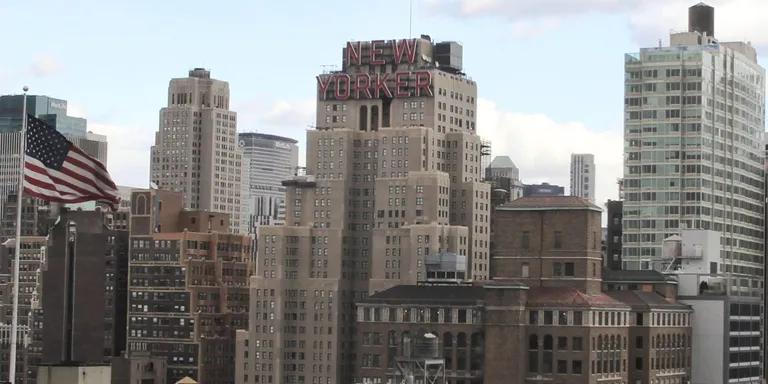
(152, 185)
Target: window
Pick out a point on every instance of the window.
(533, 317)
(533, 342)
(562, 318)
(639, 318)
(547, 317)
(639, 342)
(562, 366)
(569, 269)
(557, 269)
(639, 363)
(577, 317)
(576, 367)
(558, 239)
(562, 343)
(576, 343)
(524, 270)
(525, 240)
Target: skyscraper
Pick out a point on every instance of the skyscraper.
(583, 176)
(502, 173)
(693, 135)
(393, 177)
(269, 160)
(196, 150)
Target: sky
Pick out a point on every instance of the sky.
(549, 72)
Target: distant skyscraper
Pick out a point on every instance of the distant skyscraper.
(583, 176)
(196, 150)
(543, 189)
(502, 173)
(54, 113)
(269, 160)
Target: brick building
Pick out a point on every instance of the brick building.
(549, 314)
(187, 287)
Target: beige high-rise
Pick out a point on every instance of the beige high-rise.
(196, 150)
(393, 176)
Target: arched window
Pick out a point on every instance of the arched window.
(363, 118)
(447, 340)
(533, 342)
(375, 118)
(461, 340)
(141, 205)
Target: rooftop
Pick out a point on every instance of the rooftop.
(502, 162)
(610, 276)
(550, 296)
(429, 294)
(549, 203)
(645, 300)
(265, 136)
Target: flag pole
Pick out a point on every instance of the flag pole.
(19, 204)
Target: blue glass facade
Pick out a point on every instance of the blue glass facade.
(52, 111)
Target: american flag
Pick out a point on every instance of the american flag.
(58, 171)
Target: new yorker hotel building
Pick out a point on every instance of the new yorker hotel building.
(393, 176)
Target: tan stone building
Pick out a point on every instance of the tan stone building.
(188, 287)
(393, 178)
(544, 316)
(196, 149)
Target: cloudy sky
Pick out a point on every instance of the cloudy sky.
(549, 72)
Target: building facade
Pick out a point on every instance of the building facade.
(188, 287)
(270, 160)
(693, 134)
(393, 176)
(613, 235)
(546, 316)
(196, 149)
(502, 173)
(583, 176)
(33, 259)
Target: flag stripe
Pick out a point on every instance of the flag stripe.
(74, 184)
(77, 165)
(56, 170)
(85, 156)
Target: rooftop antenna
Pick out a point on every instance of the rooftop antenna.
(410, 18)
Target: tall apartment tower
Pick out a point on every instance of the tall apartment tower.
(693, 134)
(393, 177)
(583, 176)
(196, 150)
(268, 159)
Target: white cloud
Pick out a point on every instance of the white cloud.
(542, 147)
(648, 20)
(44, 65)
